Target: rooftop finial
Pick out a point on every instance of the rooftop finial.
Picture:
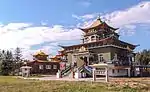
(99, 17)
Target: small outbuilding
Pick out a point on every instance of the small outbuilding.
(100, 69)
(25, 71)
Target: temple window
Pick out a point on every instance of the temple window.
(99, 38)
(92, 45)
(86, 39)
(54, 66)
(118, 70)
(41, 67)
(92, 38)
(89, 31)
(48, 66)
(103, 35)
(89, 45)
(96, 37)
(108, 36)
(113, 71)
(92, 30)
(101, 59)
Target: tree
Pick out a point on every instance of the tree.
(143, 57)
(6, 62)
(17, 59)
(18, 55)
(9, 62)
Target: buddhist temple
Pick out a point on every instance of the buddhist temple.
(42, 65)
(60, 57)
(40, 56)
(101, 44)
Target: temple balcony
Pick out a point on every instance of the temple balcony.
(121, 63)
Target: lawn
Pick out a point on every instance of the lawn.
(12, 84)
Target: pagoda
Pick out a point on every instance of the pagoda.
(101, 44)
(40, 56)
(42, 65)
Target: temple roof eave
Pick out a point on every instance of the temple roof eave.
(110, 26)
(127, 44)
(86, 43)
(62, 46)
(88, 28)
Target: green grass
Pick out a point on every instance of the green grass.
(11, 84)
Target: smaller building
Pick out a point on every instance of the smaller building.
(142, 70)
(25, 71)
(41, 64)
(61, 58)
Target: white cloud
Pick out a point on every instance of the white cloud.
(130, 26)
(128, 18)
(88, 16)
(33, 35)
(15, 26)
(85, 24)
(86, 20)
(49, 49)
(36, 35)
(26, 35)
(76, 17)
(85, 17)
(136, 14)
(44, 23)
(85, 3)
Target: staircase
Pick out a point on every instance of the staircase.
(66, 71)
(83, 69)
(86, 69)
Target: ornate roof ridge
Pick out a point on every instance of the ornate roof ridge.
(42, 53)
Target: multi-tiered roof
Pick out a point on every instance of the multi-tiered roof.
(107, 37)
(98, 24)
(40, 56)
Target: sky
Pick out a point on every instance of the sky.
(35, 25)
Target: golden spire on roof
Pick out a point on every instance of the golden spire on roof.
(97, 22)
(99, 18)
(41, 53)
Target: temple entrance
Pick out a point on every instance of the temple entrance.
(88, 60)
(85, 61)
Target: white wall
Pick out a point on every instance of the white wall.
(122, 72)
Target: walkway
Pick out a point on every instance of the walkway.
(61, 79)
(145, 80)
